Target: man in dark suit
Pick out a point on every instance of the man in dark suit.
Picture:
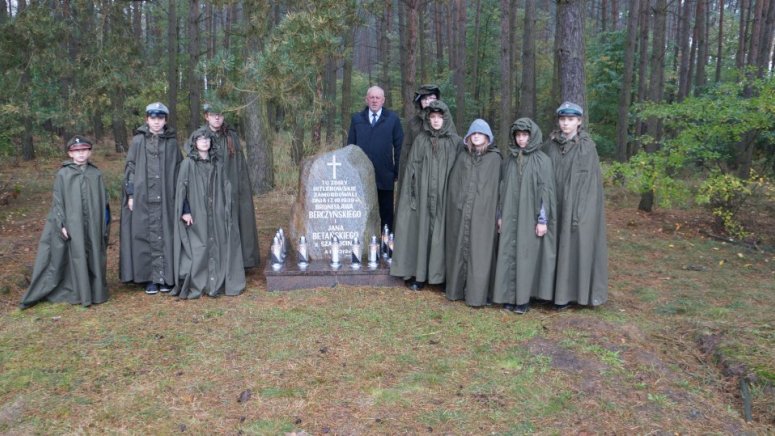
(378, 132)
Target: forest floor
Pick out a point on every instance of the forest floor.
(685, 343)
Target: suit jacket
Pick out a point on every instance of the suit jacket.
(381, 143)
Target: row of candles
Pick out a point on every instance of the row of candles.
(384, 248)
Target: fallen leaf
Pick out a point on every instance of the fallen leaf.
(244, 396)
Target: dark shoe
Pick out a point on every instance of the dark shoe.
(416, 286)
(509, 307)
(152, 288)
(521, 309)
(165, 288)
(561, 307)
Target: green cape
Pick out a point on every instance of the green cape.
(73, 270)
(208, 256)
(236, 169)
(526, 262)
(582, 250)
(472, 204)
(419, 226)
(147, 231)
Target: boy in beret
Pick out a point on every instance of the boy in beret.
(582, 251)
(147, 204)
(71, 260)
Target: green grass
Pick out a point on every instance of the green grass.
(390, 361)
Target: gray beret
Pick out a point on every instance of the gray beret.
(568, 109)
(156, 108)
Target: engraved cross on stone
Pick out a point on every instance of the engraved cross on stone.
(333, 164)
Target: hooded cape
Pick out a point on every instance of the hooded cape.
(73, 270)
(414, 128)
(526, 262)
(472, 203)
(208, 254)
(582, 250)
(236, 170)
(419, 235)
(151, 169)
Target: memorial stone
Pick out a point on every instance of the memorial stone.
(336, 205)
(337, 197)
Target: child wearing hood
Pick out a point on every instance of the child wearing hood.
(472, 203)
(418, 256)
(526, 249)
(208, 253)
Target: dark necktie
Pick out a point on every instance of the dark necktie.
(373, 119)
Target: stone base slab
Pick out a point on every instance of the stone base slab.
(320, 274)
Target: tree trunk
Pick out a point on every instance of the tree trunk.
(528, 99)
(623, 123)
(193, 81)
(438, 18)
(258, 146)
(459, 75)
(384, 51)
(570, 52)
(719, 52)
(451, 37)
(701, 18)
(347, 82)
(230, 12)
(643, 31)
(97, 125)
(257, 130)
(745, 147)
(756, 32)
(684, 79)
(118, 126)
(506, 85)
(768, 41)
(28, 145)
(422, 17)
(137, 23)
(297, 140)
(317, 127)
(68, 45)
(477, 53)
(172, 63)
(409, 74)
(603, 15)
(3, 12)
(515, 53)
(211, 33)
(656, 90)
(614, 15)
(741, 36)
(329, 91)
